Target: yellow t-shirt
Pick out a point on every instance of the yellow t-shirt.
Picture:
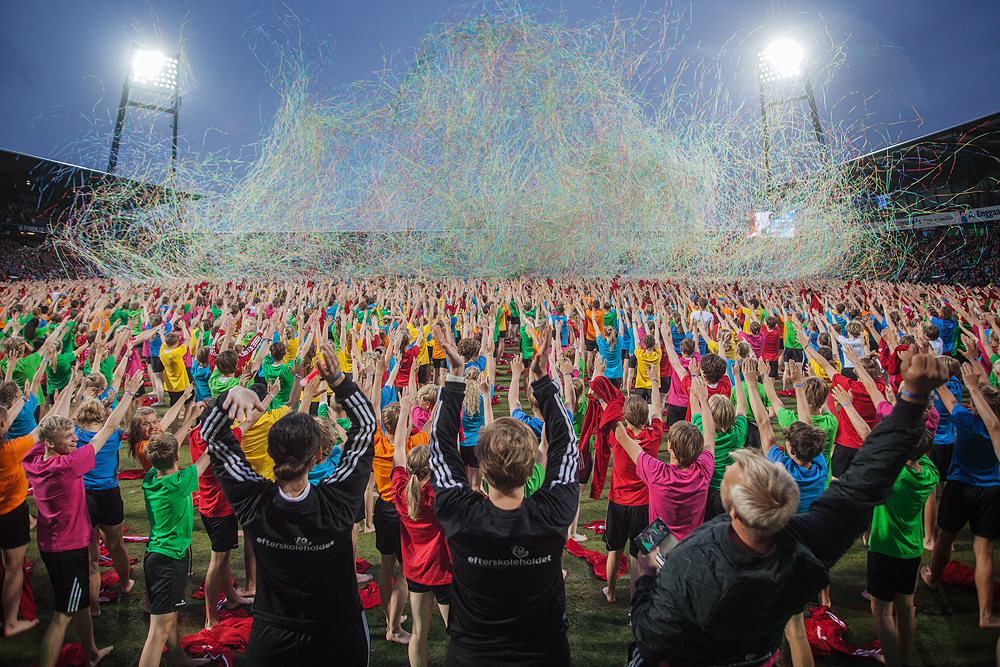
(820, 373)
(644, 359)
(423, 357)
(292, 348)
(174, 372)
(254, 442)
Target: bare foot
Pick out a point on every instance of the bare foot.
(369, 529)
(925, 574)
(609, 595)
(127, 586)
(237, 602)
(100, 656)
(577, 537)
(246, 592)
(929, 545)
(989, 621)
(196, 662)
(95, 612)
(564, 575)
(209, 624)
(364, 578)
(400, 637)
(20, 625)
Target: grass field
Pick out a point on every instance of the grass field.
(947, 621)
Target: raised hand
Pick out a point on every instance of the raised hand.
(922, 371)
(329, 368)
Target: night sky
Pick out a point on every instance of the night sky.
(62, 62)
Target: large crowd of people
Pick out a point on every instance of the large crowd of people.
(946, 255)
(315, 410)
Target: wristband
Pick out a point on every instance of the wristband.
(801, 384)
(340, 374)
(130, 393)
(844, 405)
(915, 397)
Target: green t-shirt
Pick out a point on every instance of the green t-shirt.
(535, 481)
(725, 443)
(218, 384)
(25, 370)
(581, 410)
(791, 340)
(108, 368)
(825, 421)
(993, 376)
(283, 374)
(897, 526)
(168, 506)
(746, 396)
(611, 318)
(527, 345)
(58, 372)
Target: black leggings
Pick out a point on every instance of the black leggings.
(347, 640)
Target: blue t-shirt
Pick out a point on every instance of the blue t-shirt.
(628, 340)
(479, 363)
(947, 328)
(974, 461)
(534, 423)
(612, 357)
(24, 422)
(472, 423)
(677, 337)
(105, 472)
(812, 482)
(201, 374)
(564, 332)
(945, 434)
(325, 469)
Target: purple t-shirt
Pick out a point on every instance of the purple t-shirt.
(677, 496)
(63, 519)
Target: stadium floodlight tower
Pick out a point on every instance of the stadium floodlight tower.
(154, 73)
(782, 62)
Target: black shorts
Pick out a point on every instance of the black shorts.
(795, 354)
(442, 592)
(774, 368)
(644, 393)
(624, 523)
(841, 459)
(156, 365)
(940, 456)
(526, 359)
(176, 396)
(166, 579)
(624, 354)
(421, 373)
(347, 640)
(69, 572)
(223, 532)
(713, 504)
(469, 458)
(632, 361)
(752, 440)
(676, 413)
(665, 386)
(978, 506)
(440, 363)
(386, 520)
(889, 576)
(617, 382)
(106, 507)
(15, 528)
(590, 345)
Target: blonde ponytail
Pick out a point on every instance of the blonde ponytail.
(418, 467)
(472, 399)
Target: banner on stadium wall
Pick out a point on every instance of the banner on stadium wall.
(981, 215)
(35, 227)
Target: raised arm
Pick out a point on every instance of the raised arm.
(115, 418)
(760, 413)
(699, 405)
(561, 464)
(447, 469)
(971, 379)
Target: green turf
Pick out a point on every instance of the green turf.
(947, 622)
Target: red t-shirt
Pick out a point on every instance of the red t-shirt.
(846, 435)
(405, 364)
(212, 501)
(626, 487)
(426, 559)
(723, 386)
(772, 339)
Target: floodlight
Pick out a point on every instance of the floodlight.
(155, 69)
(782, 59)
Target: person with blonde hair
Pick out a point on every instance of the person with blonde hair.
(505, 537)
(724, 594)
(426, 560)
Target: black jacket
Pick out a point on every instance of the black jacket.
(714, 603)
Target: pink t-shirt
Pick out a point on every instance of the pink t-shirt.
(677, 496)
(676, 395)
(63, 519)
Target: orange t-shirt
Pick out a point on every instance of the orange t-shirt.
(598, 315)
(13, 483)
(140, 456)
(382, 464)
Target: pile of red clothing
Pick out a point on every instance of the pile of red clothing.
(826, 636)
(597, 559)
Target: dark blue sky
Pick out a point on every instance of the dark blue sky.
(62, 62)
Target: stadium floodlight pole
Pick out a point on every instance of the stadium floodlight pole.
(783, 60)
(153, 72)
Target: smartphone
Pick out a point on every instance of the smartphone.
(657, 534)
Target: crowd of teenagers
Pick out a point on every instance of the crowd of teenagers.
(313, 411)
